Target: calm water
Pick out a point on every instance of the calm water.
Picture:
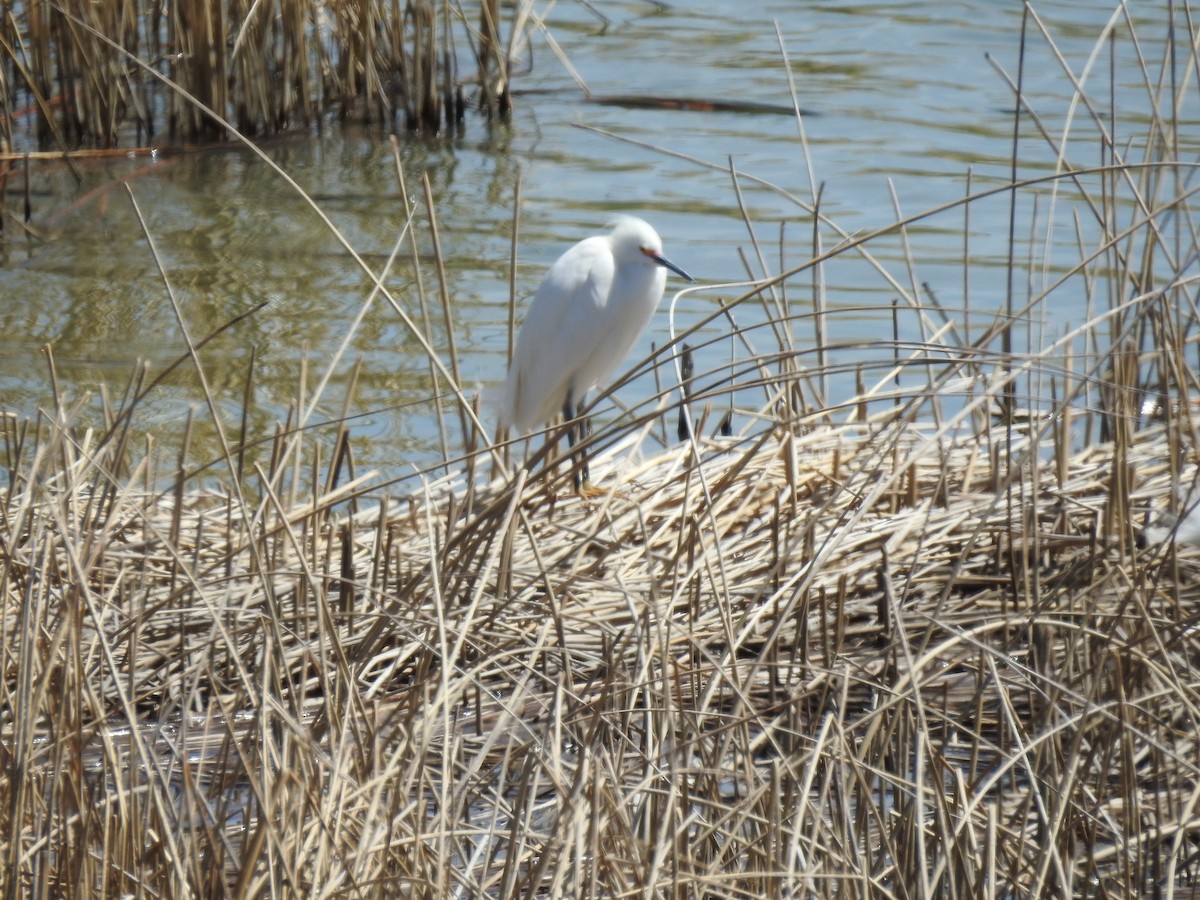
(900, 102)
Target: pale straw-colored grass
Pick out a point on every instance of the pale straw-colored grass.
(830, 659)
(130, 72)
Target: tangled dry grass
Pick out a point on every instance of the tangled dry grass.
(839, 660)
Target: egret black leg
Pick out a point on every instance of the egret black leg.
(585, 431)
(577, 432)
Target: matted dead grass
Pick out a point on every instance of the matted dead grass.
(841, 660)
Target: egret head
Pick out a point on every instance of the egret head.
(635, 242)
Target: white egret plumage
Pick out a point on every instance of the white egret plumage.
(593, 304)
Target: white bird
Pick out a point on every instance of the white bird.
(590, 309)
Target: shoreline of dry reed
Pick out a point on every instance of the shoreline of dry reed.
(95, 75)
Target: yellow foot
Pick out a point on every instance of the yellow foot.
(589, 491)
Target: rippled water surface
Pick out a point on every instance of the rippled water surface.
(900, 102)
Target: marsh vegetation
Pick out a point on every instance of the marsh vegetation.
(897, 640)
(102, 74)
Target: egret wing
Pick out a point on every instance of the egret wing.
(563, 329)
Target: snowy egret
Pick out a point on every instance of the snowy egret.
(590, 309)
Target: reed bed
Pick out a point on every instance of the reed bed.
(931, 634)
(103, 74)
(849, 660)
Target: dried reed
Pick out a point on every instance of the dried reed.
(87, 70)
